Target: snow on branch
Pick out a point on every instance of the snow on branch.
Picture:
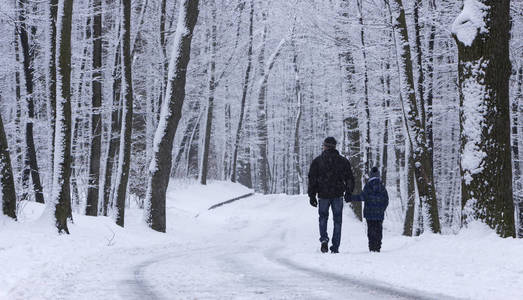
(470, 22)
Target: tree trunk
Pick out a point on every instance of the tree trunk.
(422, 160)
(263, 173)
(484, 70)
(114, 134)
(386, 105)
(355, 159)
(408, 225)
(351, 133)
(193, 150)
(96, 124)
(244, 96)
(31, 164)
(61, 195)
(124, 156)
(210, 103)
(53, 9)
(419, 63)
(367, 147)
(18, 117)
(7, 184)
(160, 166)
(516, 134)
(262, 177)
(186, 140)
(163, 44)
(430, 81)
(299, 98)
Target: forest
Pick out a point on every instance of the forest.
(104, 102)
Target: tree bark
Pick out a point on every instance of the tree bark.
(367, 147)
(124, 156)
(299, 99)
(484, 70)
(61, 194)
(186, 140)
(422, 160)
(114, 134)
(430, 81)
(96, 124)
(518, 179)
(263, 172)
(7, 184)
(160, 166)
(53, 9)
(355, 159)
(351, 134)
(385, 157)
(244, 96)
(408, 224)
(210, 103)
(31, 163)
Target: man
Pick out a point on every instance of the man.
(330, 177)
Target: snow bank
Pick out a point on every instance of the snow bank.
(37, 263)
(197, 198)
(34, 257)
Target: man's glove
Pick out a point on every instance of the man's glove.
(313, 201)
(347, 197)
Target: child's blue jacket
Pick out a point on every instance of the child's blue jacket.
(376, 199)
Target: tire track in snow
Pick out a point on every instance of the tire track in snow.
(375, 289)
(141, 287)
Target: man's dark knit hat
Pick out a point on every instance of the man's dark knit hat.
(374, 172)
(330, 142)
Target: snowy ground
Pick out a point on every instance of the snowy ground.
(261, 247)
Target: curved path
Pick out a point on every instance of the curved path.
(226, 254)
(247, 270)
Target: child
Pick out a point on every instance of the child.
(376, 201)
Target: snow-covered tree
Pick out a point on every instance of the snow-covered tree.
(61, 191)
(124, 156)
(482, 33)
(96, 123)
(7, 184)
(171, 111)
(30, 161)
(421, 161)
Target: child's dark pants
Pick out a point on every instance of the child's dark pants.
(375, 234)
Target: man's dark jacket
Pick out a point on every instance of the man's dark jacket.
(376, 199)
(330, 176)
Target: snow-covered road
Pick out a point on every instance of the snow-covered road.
(245, 276)
(242, 258)
(261, 247)
(232, 270)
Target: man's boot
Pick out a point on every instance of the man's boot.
(324, 247)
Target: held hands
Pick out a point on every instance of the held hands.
(313, 201)
(347, 197)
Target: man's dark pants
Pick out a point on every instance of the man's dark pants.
(323, 209)
(375, 234)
